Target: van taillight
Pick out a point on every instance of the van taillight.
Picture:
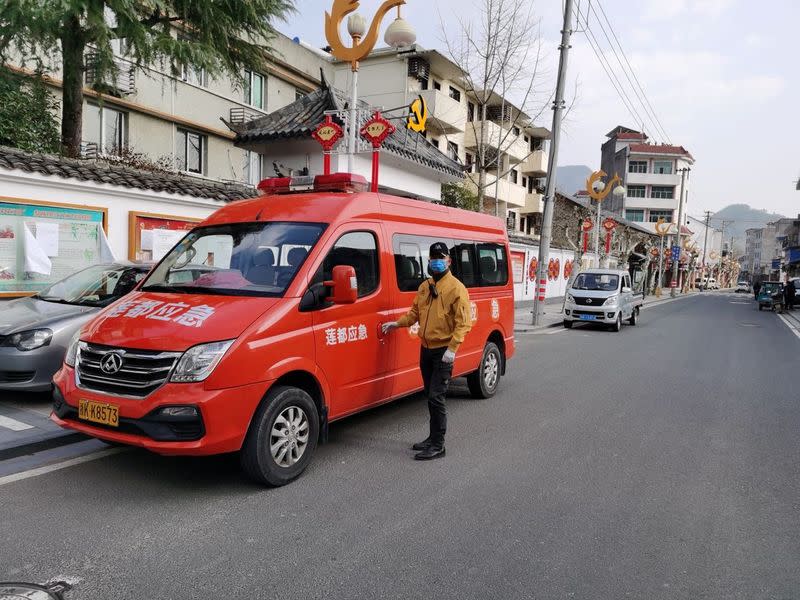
(337, 182)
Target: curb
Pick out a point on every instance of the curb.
(36, 443)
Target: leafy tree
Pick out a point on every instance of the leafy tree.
(220, 36)
(458, 195)
(27, 114)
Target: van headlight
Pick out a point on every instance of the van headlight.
(570, 298)
(72, 349)
(611, 300)
(25, 341)
(198, 362)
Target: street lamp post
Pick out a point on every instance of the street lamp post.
(673, 292)
(598, 190)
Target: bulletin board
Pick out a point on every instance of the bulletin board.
(151, 236)
(43, 242)
(518, 266)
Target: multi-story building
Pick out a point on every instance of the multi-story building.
(177, 119)
(393, 79)
(760, 249)
(650, 174)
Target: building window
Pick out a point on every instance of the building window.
(470, 112)
(514, 176)
(512, 218)
(524, 181)
(454, 94)
(662, 191)
(637, 216)
(254, 89)
(298, 94)
(637, 166)
(106, 127)
(194, 75)
(469, 161)
(515, 130)
(452, 151)
(252, 168)
(636, 191)
(662, 167)
(536, 144)
(437, 85)
(435, 142)
(191, 151)
(655, 215)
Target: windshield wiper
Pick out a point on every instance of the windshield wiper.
(55, 299)
(157, 287)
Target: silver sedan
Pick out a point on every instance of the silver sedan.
(35, 331)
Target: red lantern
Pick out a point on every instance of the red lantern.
(609, 225)
(327, 133)
(376, 130)
(586, 227)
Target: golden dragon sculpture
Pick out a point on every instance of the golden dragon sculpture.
(361, 47)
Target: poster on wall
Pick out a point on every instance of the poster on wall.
(152, 236)
(41, 244)
(518, 266)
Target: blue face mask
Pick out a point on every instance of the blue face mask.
(437, 265)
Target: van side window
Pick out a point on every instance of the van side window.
(463, 255)
(492, 264)
(411, 259)
(358, 249)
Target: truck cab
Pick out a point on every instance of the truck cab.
(603, 296)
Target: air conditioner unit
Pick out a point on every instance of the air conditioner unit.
(419, 68)
(123, 80)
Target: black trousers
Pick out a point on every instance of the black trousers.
(436, 377)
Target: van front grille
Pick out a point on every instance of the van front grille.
(136, 373)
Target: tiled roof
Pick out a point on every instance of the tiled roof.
(103, 172)
(298, 120)
(631, 136)
(620, 130)
(659, 149)
(585, 202)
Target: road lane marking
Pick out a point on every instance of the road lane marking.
(13, 424)
(58, 466)
(562, 330)
(790, 325)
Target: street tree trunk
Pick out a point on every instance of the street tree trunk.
(73, 45)
(482, 158)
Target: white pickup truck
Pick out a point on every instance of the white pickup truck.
(602, 296)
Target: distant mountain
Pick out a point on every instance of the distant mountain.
(744, 217)
(571, 178)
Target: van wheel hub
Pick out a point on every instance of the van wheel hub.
(289, 436)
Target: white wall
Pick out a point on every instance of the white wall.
(555, 288)
(18, 186)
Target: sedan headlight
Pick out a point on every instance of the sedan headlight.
(72, 349)
(197, 363)
(29, 340)
(611, 300)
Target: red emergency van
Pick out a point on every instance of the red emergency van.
(263, 325)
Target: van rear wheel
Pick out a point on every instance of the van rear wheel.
(634, 316)
(483, 382)
(282, 437)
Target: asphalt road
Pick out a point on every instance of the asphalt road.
(659, 462)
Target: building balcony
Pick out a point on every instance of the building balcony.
(496, 137)
(534, 203)
(504, 191)
(535, 164)
(445, 114)
(653, 179)
(240, 115)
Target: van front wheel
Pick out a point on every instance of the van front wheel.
(282, 437)
(483, 382)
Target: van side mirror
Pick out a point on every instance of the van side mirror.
(626, 290)
(343, 286)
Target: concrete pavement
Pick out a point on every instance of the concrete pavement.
(658, 462)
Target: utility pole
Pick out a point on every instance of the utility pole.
(549, 194)
(705, 246)
(676, 263)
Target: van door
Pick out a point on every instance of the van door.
(349, 350)
(626, 297)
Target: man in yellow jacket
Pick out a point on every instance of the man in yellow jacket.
(441, 307)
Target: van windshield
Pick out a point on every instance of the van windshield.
(596, 281)
(240, 259)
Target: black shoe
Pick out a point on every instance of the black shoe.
(430, 453)
(423, 445)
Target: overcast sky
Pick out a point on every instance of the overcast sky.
(722, 75)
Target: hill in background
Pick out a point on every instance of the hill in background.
(744, 217)
(571, 178)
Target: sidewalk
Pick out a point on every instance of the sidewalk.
(553, 317)
(26, 430)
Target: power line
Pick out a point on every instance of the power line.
(609, 72)
(643, 97)
(630, 67)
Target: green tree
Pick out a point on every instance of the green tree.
(220, 36)
(458, 195)
(27, 114)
